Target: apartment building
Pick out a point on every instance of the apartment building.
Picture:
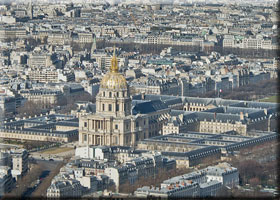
(65, 189)
(7, 105)
(20, 162)
(7, 182)
(36, 60)
(12, 32)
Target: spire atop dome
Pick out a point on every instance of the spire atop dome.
(113, 80)
(114, 62)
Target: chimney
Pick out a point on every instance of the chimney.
(142, 95)
(241, 116)
(181, 117)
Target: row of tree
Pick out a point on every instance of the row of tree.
(154, 180)
(157, 48)
(251, 91)
(252, 171)
(66, 104)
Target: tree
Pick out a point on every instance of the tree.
(112, 188)
(224, 192)
(254, 182)
(45, 40)
(68, 103)
(24, 182)
(30, 108)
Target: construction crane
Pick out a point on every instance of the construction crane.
(134, 20)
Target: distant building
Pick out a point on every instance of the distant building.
(7, 105)
(65, 189)
(114, 122)
(59, 128)
(6, 181)
(19, 162)
(202, 183)
(223, 173)
(36, 60)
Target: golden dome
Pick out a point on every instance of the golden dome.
(113, 79)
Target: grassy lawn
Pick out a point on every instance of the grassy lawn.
(57, 150)
(273, 99)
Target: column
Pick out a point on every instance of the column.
(89, 139)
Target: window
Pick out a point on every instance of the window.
(85, 137)
(116, 126)
(110, 107)
(103, 94)
(117, 107)
(103, 107)
(110, 94)
(85, 124)
(137, 124)
(117, 94)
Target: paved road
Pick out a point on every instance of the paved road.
(57, 157)
(48, 167)
(3, 145)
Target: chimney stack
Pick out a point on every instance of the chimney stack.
(142, 95)
(241, 116)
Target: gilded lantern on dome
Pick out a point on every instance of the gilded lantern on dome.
(113, 79)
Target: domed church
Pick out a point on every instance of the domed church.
(113, 123)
